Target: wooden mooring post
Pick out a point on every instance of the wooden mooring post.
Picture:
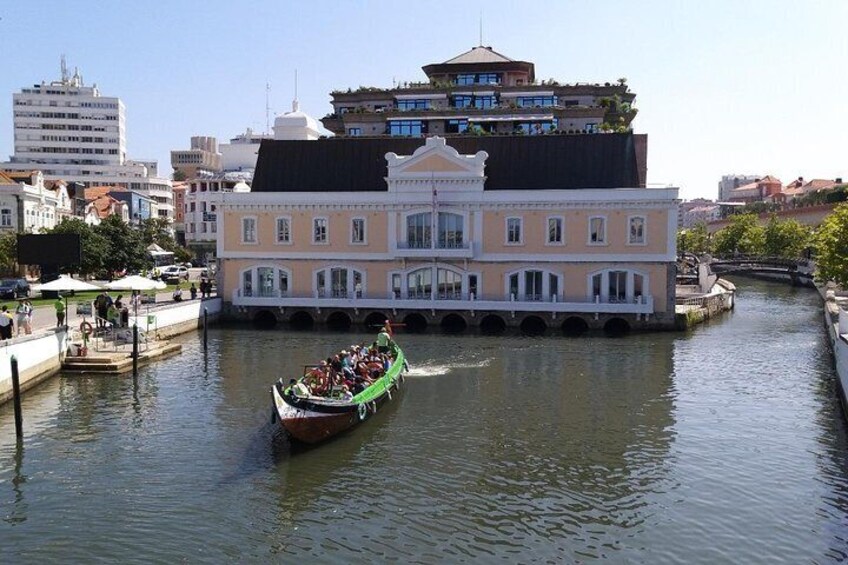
(135, 350)
(205, 328)
(16, 394)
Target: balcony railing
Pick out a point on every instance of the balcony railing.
(430, 245)
(444, 300)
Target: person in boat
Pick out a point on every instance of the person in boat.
(298, 389)
(383, 341)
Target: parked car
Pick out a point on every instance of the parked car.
(14, 288)
(174, 273)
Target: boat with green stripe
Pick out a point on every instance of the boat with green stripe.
(312, 418)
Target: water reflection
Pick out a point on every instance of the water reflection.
(707, 446)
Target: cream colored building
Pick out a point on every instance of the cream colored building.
(435, 246)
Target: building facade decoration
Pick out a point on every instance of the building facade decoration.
(435, 243)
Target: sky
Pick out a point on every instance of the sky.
(722, 86)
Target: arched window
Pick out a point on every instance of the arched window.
(449, 284)
(617, 286)
(419, 284)
(533, 285)
(419, 230)
(450, 230)
(339, 282)
(265, 281)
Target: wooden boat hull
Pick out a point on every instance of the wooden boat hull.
(313, 420)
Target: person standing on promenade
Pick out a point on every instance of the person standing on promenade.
(22, 316)
(59, 305)
(5, 323)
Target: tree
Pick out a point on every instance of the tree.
(831, 243)
(94, 246)
(743, 235)
(694, 240)
(8, 253)
(179, 175)
(787, 238)
(158, 231)
(126, 246)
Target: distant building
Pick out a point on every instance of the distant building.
(179, 188)
(104, 206)
(729, 182)
(240, 153)
(480, 90)
(684, 207)
(70, 131)
(201, 159)
(701, 215)
(27, 205)
(765, 188)
(139, 207)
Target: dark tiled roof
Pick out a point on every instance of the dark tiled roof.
(515, 162)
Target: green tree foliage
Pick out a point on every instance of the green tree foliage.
(694, 240)
(788, 238)
(743, 235)
(94, 246)
(831, 243)
(126, 246)
(179, 175)
(158, 231)
(8, 253)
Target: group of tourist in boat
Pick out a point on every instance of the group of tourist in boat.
(346, 374)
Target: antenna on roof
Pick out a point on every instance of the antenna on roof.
(64, 69)
(294, 102)
(267, 107)
(481, 28)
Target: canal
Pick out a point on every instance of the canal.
(723, 445)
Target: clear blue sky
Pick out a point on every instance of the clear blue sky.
(724, 86)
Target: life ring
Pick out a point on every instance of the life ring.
(86, 329)
(363, 412)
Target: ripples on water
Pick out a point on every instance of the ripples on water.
(722, 445)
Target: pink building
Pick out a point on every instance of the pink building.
(342, 232)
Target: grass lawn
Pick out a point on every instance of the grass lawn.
(89, 296)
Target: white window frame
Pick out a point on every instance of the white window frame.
(364, 230)
(277, 230)
(546, 286)
(630, 295)
(644, 230)
(561, 230)
(603, 241)
(350, 291)
(255, 241)
(520, 230)
(326, 230)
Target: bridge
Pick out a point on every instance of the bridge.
(799, 272)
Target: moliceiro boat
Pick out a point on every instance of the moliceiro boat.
(339, 393)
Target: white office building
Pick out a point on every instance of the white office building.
(70, 131)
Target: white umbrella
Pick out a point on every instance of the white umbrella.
(66, 284)
(135, 282)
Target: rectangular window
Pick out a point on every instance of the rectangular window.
(591, 128)
(636, 231)
(535, 128)
(485, 102)
(406, 127)
(283, 230)
(456, 126)
(248, 230)
(555, 231)
(396, 281)
(319, 230)
(461, 101)
(357, 231)
(417, 104)
(597, 230)
(533, 101)
(6, 217)
(513, 231)
(354, 132)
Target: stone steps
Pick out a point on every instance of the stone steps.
(119, 362)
